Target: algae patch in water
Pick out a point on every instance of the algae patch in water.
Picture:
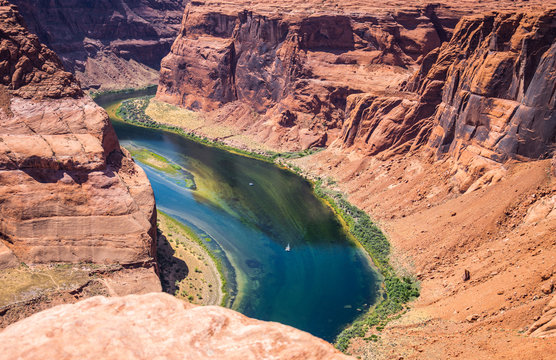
(160, 163)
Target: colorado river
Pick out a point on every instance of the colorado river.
(253, 210)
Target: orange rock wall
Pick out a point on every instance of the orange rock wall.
(295, 69)
(68, 192)
(482, 98)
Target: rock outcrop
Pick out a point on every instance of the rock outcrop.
(482, 98)
(498, 99)
(545, 326)
(68, 192)
(107, 44)
(155, 326)
(295, 67)
(302, 68)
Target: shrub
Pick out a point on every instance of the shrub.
(396, 291)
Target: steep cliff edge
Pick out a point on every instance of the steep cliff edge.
(450, 159)
(294, 67)
(484, 97)
(295, 64)
(68, 193)
(107, 44)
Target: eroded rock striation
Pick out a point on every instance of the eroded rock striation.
(107, 44)
(312, 75)
(293, 67)
(482, 98)
(68, 192)
(155, 326)
(545, 326)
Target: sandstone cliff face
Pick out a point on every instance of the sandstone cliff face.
(294, 68)
(477, 104)
(296, 64)
(68, 193)
(484, 97)
(109, 43)
(498, 99)
(156, 326)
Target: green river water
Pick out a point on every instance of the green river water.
(249, 211)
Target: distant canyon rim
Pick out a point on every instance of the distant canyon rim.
(437, 119)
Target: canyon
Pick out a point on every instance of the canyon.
(438, 120)
(298, 71)
(79, 221)
(445, 140)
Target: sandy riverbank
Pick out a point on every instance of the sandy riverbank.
(186, 269)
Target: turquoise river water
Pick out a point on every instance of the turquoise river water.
(249, 211)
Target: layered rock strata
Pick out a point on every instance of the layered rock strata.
(156, 326)
(294, 68)
(296, 64)
(484, 258)
(107, 44)
(68, 192)
(482, 98)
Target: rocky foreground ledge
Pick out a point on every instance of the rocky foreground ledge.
(154, 326)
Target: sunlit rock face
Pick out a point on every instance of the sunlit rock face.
(482, 98)
(496, 102)
(295, 67)
(155, 325)
(377, 78)
(68, 192)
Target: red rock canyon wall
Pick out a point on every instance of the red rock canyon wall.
(107, 44)
(68, 192)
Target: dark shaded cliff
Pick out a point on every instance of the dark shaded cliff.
(106, 43)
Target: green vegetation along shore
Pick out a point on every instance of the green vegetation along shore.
(164, 165)
(396, 291)
(133, 111)
(203, 281)
(109, 95)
